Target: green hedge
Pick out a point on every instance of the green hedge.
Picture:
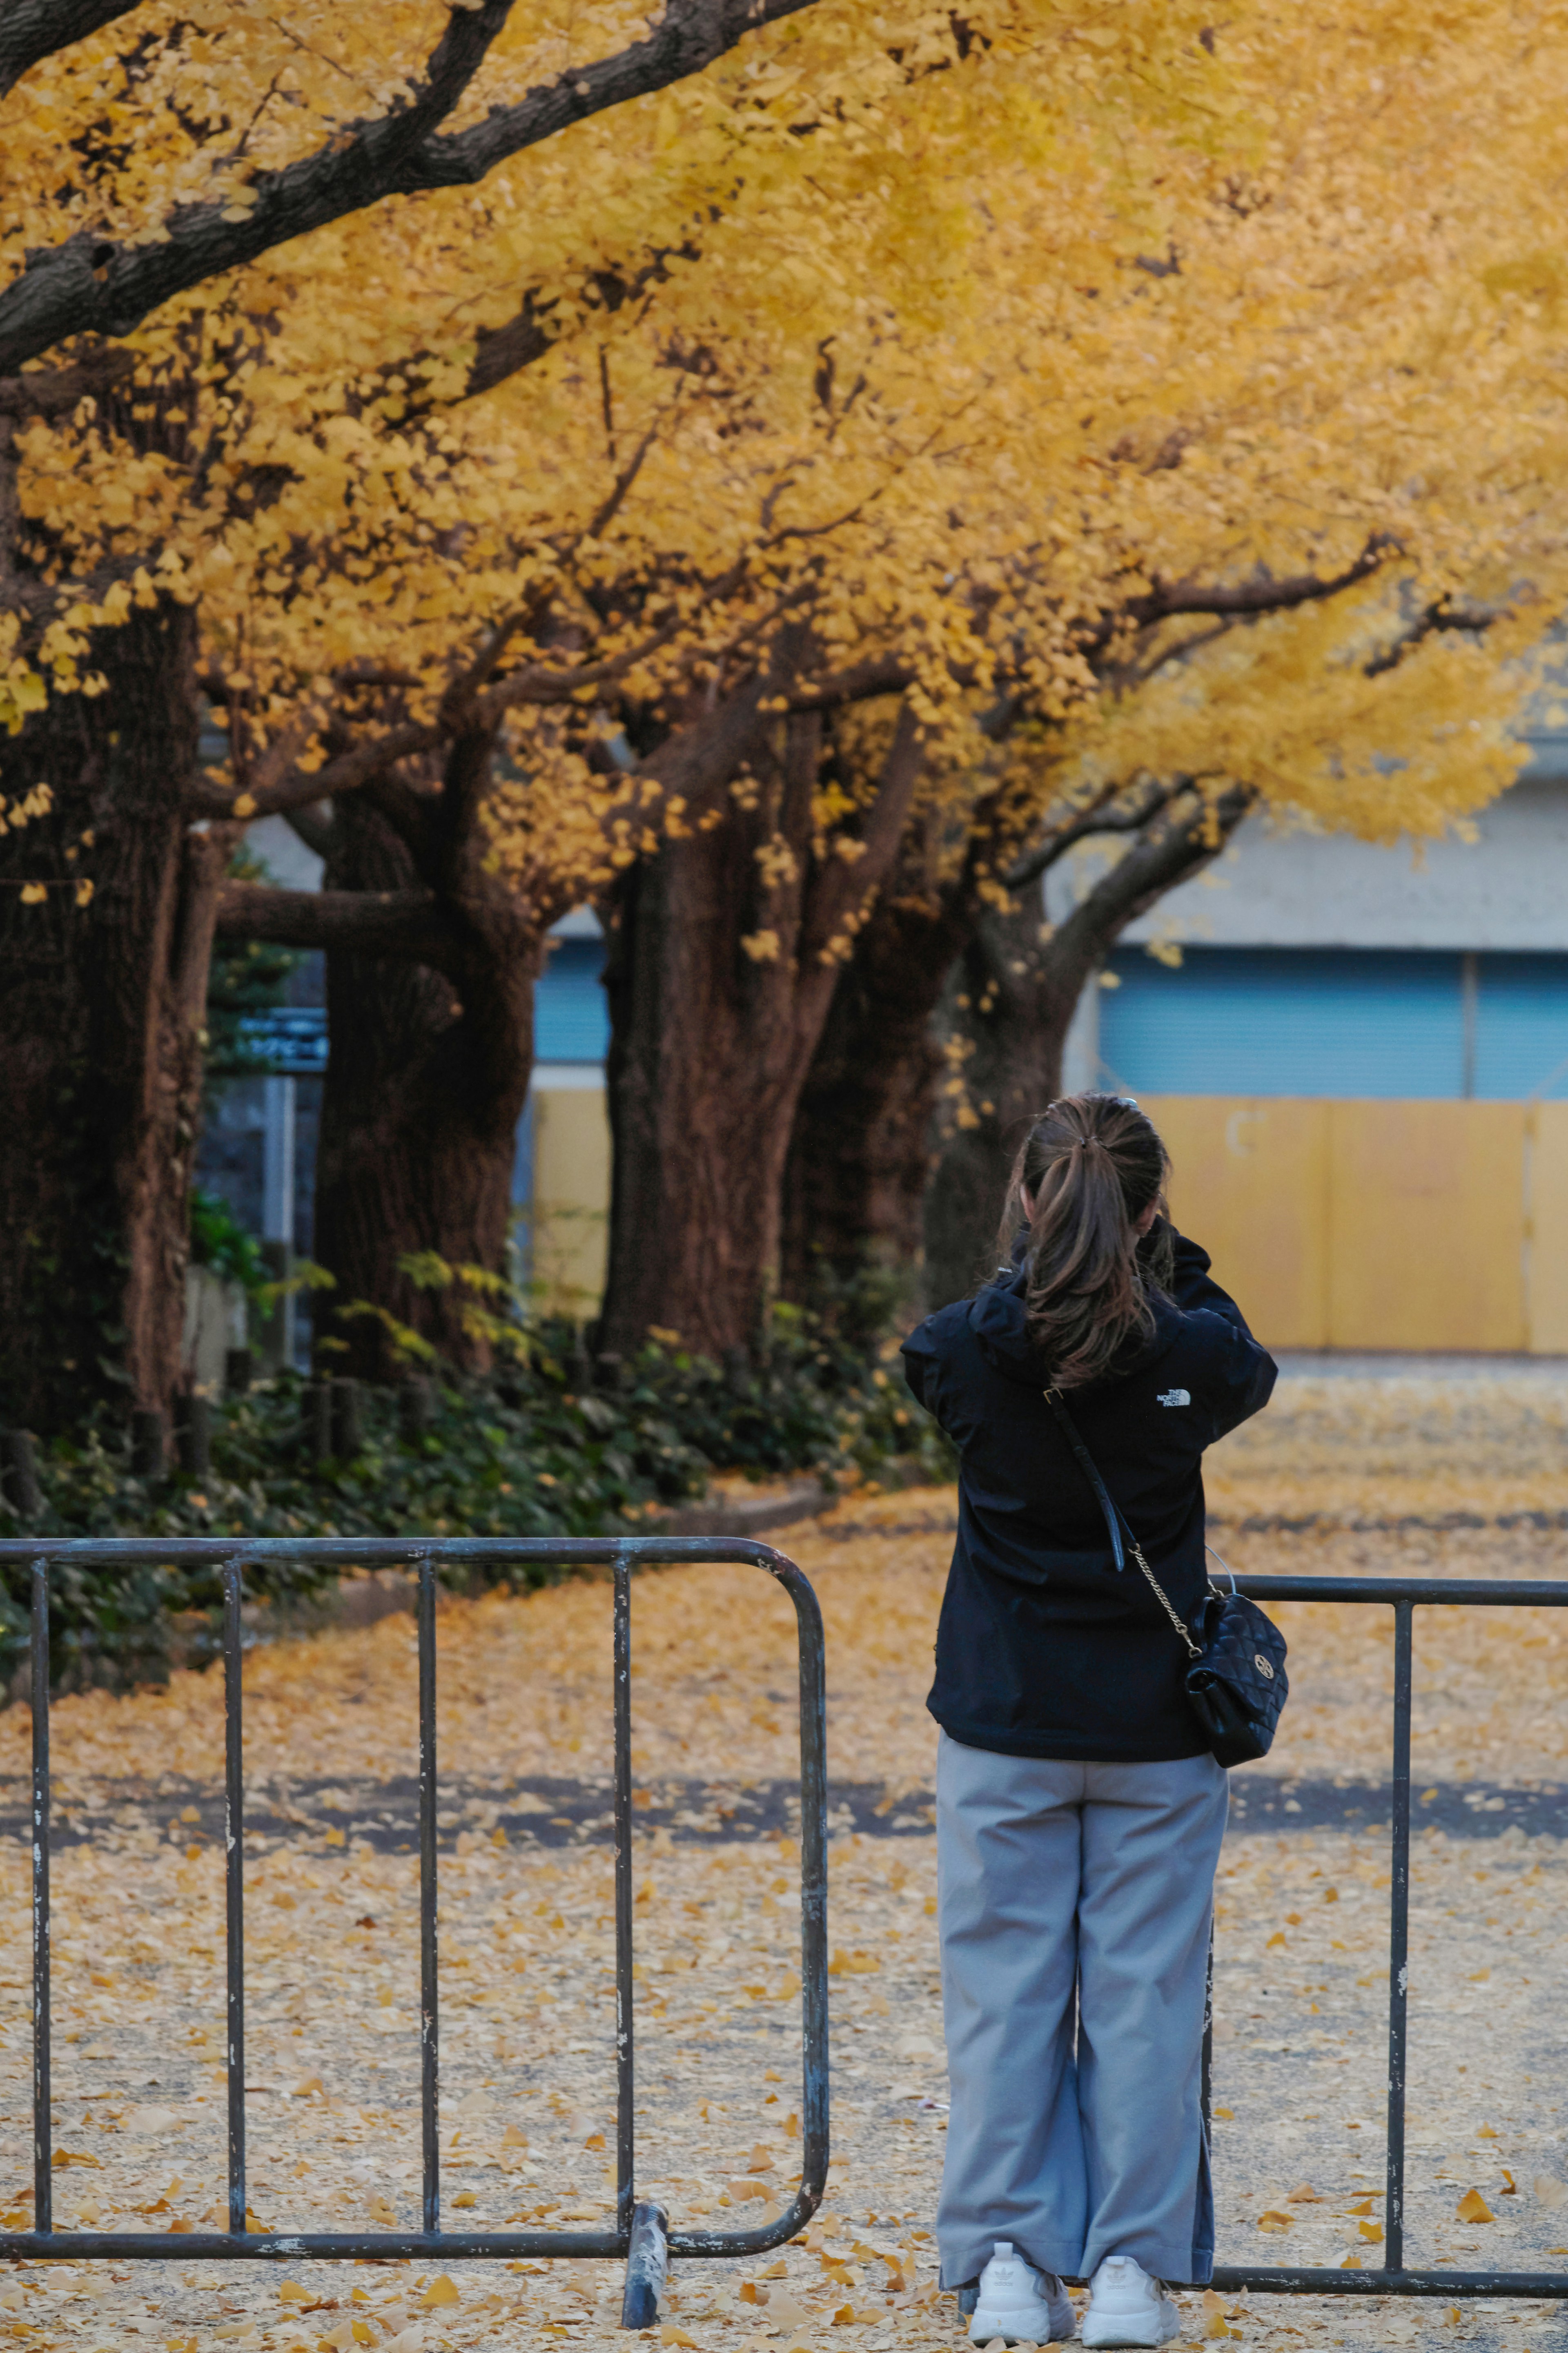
(541, 1450)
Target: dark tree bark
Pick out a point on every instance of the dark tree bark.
(860, 1153)
(426, 1076)
(100, 1047)
(89, 284)
(712, 1041)
(1011, 1003)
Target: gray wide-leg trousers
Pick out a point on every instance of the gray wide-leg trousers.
(1074, 1903)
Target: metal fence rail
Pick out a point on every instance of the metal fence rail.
(639, 2232)
(1404, 1595)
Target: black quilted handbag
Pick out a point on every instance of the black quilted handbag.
(1236, 1683)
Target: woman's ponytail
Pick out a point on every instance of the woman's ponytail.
(1085, 1174)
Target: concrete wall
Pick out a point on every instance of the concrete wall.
(1275, 888)
(1379, 1225)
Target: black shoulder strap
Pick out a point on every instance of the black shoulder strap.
(1086, 1463)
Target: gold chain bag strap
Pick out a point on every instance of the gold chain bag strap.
(1235, 1680)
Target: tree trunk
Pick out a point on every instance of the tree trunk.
(708, 1049)
(1011, 1005)
(860, 1151)
(427, 1077)
(724, 958)
(101, 1044)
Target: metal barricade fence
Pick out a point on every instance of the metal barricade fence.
(1404, 1595)
(640, 2233)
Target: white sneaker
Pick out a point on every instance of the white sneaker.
(1127, 2307)
(1019, 2303)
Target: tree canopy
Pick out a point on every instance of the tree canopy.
(1143, 406)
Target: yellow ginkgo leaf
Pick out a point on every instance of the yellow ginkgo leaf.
(1473, 2207)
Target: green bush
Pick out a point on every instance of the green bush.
(540, 1450)
(218, 1240)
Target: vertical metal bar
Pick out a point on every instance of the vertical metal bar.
(812, 1889)
(234, 1861)
(42, 2153)
(625, 2054)
(429, 2019)
(1209, 2046)
(1399, 1938)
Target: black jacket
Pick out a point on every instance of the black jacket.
(1043, 1648)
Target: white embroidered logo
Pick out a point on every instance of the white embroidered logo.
(1176, 1397)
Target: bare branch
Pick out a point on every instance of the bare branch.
(410, 925)
(1435, 622)
(1260, 593)
(1098, 818)
(91, 284)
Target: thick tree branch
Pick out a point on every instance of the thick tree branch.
(504, 350)
(1172, 851)
(842, 888)
(54, 392)
(1095, 819)
(34, 29)
(93, 285)
(882, 674)
(313, 826)
(410, 925)
(1260, 593)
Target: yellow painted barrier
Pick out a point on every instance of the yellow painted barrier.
(1546, 1228)
(570, 1222)
(1367, 1224)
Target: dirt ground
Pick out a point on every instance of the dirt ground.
(1461, 1478)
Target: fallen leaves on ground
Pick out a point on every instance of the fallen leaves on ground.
(526, 1948)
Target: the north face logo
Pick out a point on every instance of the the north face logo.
(1175, 1397)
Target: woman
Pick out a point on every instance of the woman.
(1079, 1813)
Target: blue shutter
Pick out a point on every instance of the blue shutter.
(571, 1018)
(1522, 1026)
(1285, 1021)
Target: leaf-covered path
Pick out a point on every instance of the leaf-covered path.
(526, 1954)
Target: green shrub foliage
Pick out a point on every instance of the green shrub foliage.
(553, 1445)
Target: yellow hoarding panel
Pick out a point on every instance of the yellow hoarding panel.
(1546, 1220)
(1427, 1225)
(570, 1223)
(1250, 1182)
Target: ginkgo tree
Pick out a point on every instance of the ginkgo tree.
(1336, 390)
(749, 477)
(1087, 477)
(241, 430)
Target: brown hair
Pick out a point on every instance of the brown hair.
(1090, 1164)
